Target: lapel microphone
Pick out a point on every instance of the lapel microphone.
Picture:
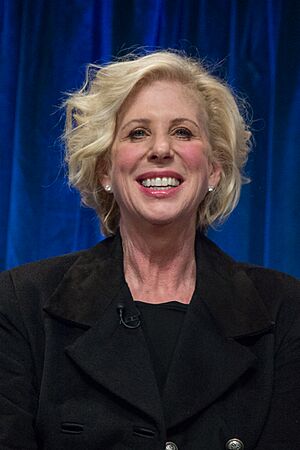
(128, 320)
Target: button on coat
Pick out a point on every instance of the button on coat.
(171, 446)
(234, 444)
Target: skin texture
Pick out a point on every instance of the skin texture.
(160, 132)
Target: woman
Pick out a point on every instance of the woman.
(154, 338)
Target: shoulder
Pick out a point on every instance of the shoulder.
(277, 290)
(263, 278)
(40, 278)
(280, 293)
(271, 281)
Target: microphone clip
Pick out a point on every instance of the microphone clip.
(128, 321)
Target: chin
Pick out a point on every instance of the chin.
(165, 220)
(161, 223)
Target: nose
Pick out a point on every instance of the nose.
(161, 150)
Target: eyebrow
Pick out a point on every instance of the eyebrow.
(145, 121)
(179, 120)
(136, 121)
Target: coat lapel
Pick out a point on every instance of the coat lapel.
(118, 359)
(115, 357)
(209, 358)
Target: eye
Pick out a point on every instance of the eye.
(137, 134)
(183, 133)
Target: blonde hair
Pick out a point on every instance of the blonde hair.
(91, 115)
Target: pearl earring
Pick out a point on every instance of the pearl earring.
(108, 188)
(211, 188)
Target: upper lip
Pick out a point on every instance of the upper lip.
(160, 174)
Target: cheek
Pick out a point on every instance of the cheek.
(124, 159)
(195, 156)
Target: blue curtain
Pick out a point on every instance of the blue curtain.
(45, 46)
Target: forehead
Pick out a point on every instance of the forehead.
(161, 97)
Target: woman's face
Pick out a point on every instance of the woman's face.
(159, 161)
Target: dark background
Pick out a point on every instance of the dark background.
(45, 46)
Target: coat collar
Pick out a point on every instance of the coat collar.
(225, 307)
(90, 285)
(228, 293)
(88, 298)
(96, 279)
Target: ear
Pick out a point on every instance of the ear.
(103, 172)
(105, 180)
(215, 174)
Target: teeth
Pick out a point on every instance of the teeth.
(160, 182)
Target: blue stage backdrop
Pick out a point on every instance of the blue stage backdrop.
(45, 46)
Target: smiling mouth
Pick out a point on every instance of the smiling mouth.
(160, 183)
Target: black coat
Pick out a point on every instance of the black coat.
(72, 377)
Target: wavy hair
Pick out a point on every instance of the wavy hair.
(91, 115)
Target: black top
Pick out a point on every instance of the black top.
(162, 323)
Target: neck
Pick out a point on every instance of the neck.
(159, 263)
